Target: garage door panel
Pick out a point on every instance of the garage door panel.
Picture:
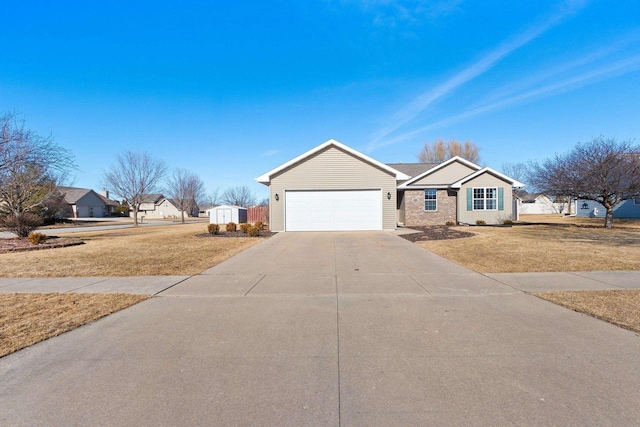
(333, 210)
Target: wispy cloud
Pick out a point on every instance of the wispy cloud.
(426, 99)
(269, 153)
(617, 68)
(393, 12)
(563, 69)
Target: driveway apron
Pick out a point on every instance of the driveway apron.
(331, 329)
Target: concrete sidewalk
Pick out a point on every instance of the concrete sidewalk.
(334, 329)
(229, 283)
(147, 285)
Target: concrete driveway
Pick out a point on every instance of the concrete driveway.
(331, 329)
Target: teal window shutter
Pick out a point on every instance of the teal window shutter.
(469, 199)
(500, 199)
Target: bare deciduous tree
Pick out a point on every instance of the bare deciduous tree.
(602, 170)
(134, 174)
(30, 168)
(22, 146)
(238, 196)
(185, 188)
(440, 151)
(212, 198)
(517, 171)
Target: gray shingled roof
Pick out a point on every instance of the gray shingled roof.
(72, 194)
(527, 197)
(108, 201)
(412, 169)
(151, 198)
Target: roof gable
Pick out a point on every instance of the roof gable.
(441, 166)
(490, 171)
(266, 178)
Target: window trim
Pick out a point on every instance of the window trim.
(484, 198)
(435, 200)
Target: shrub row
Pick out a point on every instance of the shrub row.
(246, 228)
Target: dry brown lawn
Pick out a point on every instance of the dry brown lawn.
(26, 319)
(620, 307)
(542, 248)
(142, 251)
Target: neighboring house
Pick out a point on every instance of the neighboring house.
(157, 206)
(591, 209)
(225, 214)
(334, 187)
(86, 203)
(538, 203)
(205, 210)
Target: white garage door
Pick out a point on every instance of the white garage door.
(333, 210)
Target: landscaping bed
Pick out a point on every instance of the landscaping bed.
(436, 232)
(21, 245)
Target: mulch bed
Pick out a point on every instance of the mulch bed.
(235, 234)
(23, 245)
(436, 232)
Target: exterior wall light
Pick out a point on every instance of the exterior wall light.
(388, 196)
(277, 197)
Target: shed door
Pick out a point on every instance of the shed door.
(223, 216)
(333, 210)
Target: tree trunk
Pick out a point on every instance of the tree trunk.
(182, 216)
(135, 215)
(608, 219)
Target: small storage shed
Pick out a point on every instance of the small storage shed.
(225, 214)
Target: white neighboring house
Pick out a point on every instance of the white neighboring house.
(225, 214)
(591, 209)
(538, 203)
(157, 206)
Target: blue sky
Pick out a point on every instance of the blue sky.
(231, 90)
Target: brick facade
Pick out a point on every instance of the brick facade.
(416, 215)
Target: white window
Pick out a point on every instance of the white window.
(485, 199)
(430, 200)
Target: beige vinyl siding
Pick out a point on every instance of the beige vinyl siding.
(490, 217)
(332, 169)
(453, 172)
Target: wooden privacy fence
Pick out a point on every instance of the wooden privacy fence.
(258, 213)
